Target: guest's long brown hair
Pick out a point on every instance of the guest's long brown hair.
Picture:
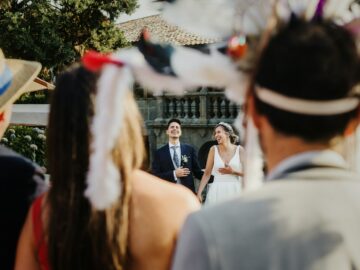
(78, 236)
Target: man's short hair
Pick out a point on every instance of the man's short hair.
(172, 121)
(315, 60)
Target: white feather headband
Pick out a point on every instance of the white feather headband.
(308, 107)
(103, 179)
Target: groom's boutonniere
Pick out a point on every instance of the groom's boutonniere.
(184, 159)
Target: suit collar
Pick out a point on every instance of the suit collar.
(310, 159)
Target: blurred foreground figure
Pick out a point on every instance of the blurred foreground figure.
(75, 226)
(20, 180)
(307, 216)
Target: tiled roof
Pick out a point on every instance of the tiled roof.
(162, 31)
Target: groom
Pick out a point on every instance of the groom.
(176, 162)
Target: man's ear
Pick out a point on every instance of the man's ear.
(353, 124)
(252, 112)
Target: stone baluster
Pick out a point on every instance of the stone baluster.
(203, 105)
(189, 113)
(222, 107)
(166, 108)
(171, 107)
(234, 110)
(227, 108)
(216, 108)
(176, 113)
(182, 107)
(197, 107)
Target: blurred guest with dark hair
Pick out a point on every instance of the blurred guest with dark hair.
(67, 228)
(307, 215)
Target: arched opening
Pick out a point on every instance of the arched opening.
(203, 153)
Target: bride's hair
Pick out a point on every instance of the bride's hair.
(80, 237)
(229, 130)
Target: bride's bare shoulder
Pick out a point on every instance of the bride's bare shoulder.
(149, 187)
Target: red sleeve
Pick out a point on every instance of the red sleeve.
(40, 243)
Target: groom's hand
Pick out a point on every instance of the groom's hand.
(182, 172)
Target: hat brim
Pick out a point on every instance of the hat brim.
(38, 84)
(23, 74)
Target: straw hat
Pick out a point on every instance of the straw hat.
(38, 84)
(15, 78)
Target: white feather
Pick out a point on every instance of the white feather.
(206, 18)
(255, 17)
(236, 91)
(147, 77)
(103, 179)
(220, 18)
(200, 69)
(253, 171)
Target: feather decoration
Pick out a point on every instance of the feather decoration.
(202, 17)
(148, 77)
(319, 9)
(254, 162)
(221, 18)
(103, 179)
(201, 69)
(94, 61)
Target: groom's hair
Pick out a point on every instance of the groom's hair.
(172, 121)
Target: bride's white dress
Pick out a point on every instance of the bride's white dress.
(225, 186)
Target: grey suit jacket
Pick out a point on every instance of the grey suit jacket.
(308, 220)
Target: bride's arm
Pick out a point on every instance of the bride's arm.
(206, 176)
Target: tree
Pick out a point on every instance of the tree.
(57, 32)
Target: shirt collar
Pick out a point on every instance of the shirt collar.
(325, 157)
(170, 144)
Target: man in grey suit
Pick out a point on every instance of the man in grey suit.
(307, 215)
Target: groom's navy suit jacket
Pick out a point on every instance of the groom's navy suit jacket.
(163, 167)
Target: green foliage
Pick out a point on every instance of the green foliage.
(57, 32)
(38, 97)
(27, 141)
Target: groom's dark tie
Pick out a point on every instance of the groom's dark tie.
(176, 158)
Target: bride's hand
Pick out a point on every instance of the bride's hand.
(226, 170)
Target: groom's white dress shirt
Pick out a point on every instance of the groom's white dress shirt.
(178, 152)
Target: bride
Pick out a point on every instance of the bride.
(224, 162)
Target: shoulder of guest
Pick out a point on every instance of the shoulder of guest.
(162, 192)
(10, 159)
(7, 152)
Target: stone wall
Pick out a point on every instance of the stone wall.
(199, 112)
